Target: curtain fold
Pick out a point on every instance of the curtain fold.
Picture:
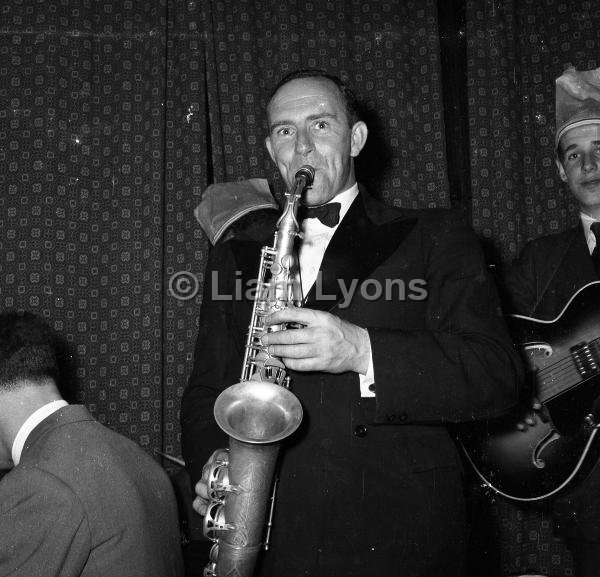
(186, 149)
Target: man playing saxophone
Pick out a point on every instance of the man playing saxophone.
(370, 484)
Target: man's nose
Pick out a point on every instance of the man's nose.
(304, 143)
(590, 162)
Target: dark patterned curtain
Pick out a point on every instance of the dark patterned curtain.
(388, 51)
(81, 208)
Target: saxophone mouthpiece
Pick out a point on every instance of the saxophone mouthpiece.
(306, 173)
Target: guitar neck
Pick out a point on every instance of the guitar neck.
(580, 364)
(563, 352)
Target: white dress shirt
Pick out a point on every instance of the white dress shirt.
(315, 242)
(31, 423)
(587, 222)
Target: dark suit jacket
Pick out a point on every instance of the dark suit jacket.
(371, 486)
(540, 284)
(548, 272)
(85, 501)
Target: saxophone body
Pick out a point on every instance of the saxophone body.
(257, 413)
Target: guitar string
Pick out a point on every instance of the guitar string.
(548, 382)
(557, 382)
(565, 371)
(568, 359)
(554, 378)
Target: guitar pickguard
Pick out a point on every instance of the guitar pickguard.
(536, 349)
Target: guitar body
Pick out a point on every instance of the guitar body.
(530, 462)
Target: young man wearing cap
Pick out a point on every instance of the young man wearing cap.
(551, 269)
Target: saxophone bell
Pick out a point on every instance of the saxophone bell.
(258, 412)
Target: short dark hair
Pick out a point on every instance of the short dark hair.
(27, 349)
(353, 111)
(559, 152)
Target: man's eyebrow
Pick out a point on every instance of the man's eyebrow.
(575, 145)
(309, 118)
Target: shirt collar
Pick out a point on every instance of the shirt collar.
(345, 199)
(587, 221)
(31, 423)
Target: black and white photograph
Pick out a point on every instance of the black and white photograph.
(299, 289)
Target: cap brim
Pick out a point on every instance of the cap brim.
(575, 124)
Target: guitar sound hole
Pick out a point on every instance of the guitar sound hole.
(537, 460)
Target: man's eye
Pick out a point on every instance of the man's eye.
(321, 124)
(285, 131)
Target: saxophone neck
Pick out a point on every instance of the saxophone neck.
(287, 225)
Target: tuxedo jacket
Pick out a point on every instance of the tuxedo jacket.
(548, 272)
(85, 501)
(370, 486)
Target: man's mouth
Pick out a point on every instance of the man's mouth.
(591, 182)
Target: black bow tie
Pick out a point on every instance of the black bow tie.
(328, 214)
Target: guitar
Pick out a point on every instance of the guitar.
(531, 455)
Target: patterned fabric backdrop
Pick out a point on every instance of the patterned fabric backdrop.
(81, 172)
(389, 53)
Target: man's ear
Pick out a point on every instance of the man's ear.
(269, 146)
(359, 138)
(561, 170)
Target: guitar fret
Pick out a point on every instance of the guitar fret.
(555, 379)
(583, 363)
(549, 388)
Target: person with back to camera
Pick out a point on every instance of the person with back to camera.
(79, 499)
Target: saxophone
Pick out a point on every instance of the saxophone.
(257, 413)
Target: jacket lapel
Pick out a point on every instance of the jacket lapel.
(572, 266)
(369, 233)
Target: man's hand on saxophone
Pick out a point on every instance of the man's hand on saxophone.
(324, 343)
(201, 500)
